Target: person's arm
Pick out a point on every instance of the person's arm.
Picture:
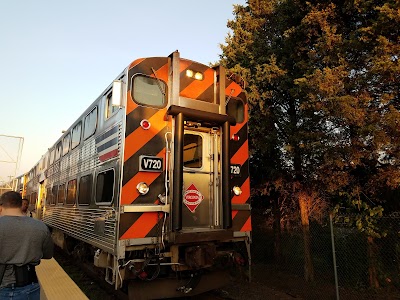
(48, 246)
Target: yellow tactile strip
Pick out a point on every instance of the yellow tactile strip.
(55, 283)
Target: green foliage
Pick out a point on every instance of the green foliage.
(323, 88)
(361, 215)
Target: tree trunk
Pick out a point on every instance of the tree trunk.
(372, 263)
(308, 263)
(277, 232)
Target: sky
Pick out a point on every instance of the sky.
(56, 57)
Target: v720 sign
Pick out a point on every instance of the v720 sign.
(150, 163)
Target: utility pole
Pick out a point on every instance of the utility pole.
(10, 158)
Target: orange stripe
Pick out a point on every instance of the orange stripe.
(142, 226)
(140, 136)
(242, 198)
(236, 90)
(183, 64)
(130, 105)
(197, 87)
(241, 155)
(136, 62)
(247, 225)
(129, 191)
(162, 73)
(234, 213)
(235, 129)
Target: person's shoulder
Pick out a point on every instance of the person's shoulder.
(37, 223)
(7, 219)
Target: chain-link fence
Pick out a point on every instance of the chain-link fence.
(369, 263)
(346, 263)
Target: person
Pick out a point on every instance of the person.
(19, 256)
(25, 206)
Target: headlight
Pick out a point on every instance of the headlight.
(142, 188)
(189, 73)
(237, 190)
(198, 76)
(194, 74)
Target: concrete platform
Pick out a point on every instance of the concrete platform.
(55, 284)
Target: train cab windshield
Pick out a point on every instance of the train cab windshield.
(149, 91)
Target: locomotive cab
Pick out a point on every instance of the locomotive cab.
(194, 207)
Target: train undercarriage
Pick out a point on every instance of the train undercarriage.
(179, 270)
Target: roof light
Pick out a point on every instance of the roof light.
(198, 76)
(194, 75)
(189, 73)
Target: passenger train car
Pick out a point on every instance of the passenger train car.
(152, 180)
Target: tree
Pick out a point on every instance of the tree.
(323, 88)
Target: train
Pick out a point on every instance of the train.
(151, 183)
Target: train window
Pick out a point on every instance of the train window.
(66, 143)
(149, 91)
(71, 192)
(61, 194)
(33, 198)
(45, 161)
(54, 193)
(105, 186)
(76, 135)
(110, 109)
(52, 152)
(90, 124)
(235, 108)
(48, 196)
(85, 190)
(58, 151)
(192, 151)
(41, 164)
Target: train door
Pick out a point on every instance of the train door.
(200, 176)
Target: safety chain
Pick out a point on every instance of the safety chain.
(159, 232)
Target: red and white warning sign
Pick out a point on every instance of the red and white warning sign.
(192, 198)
